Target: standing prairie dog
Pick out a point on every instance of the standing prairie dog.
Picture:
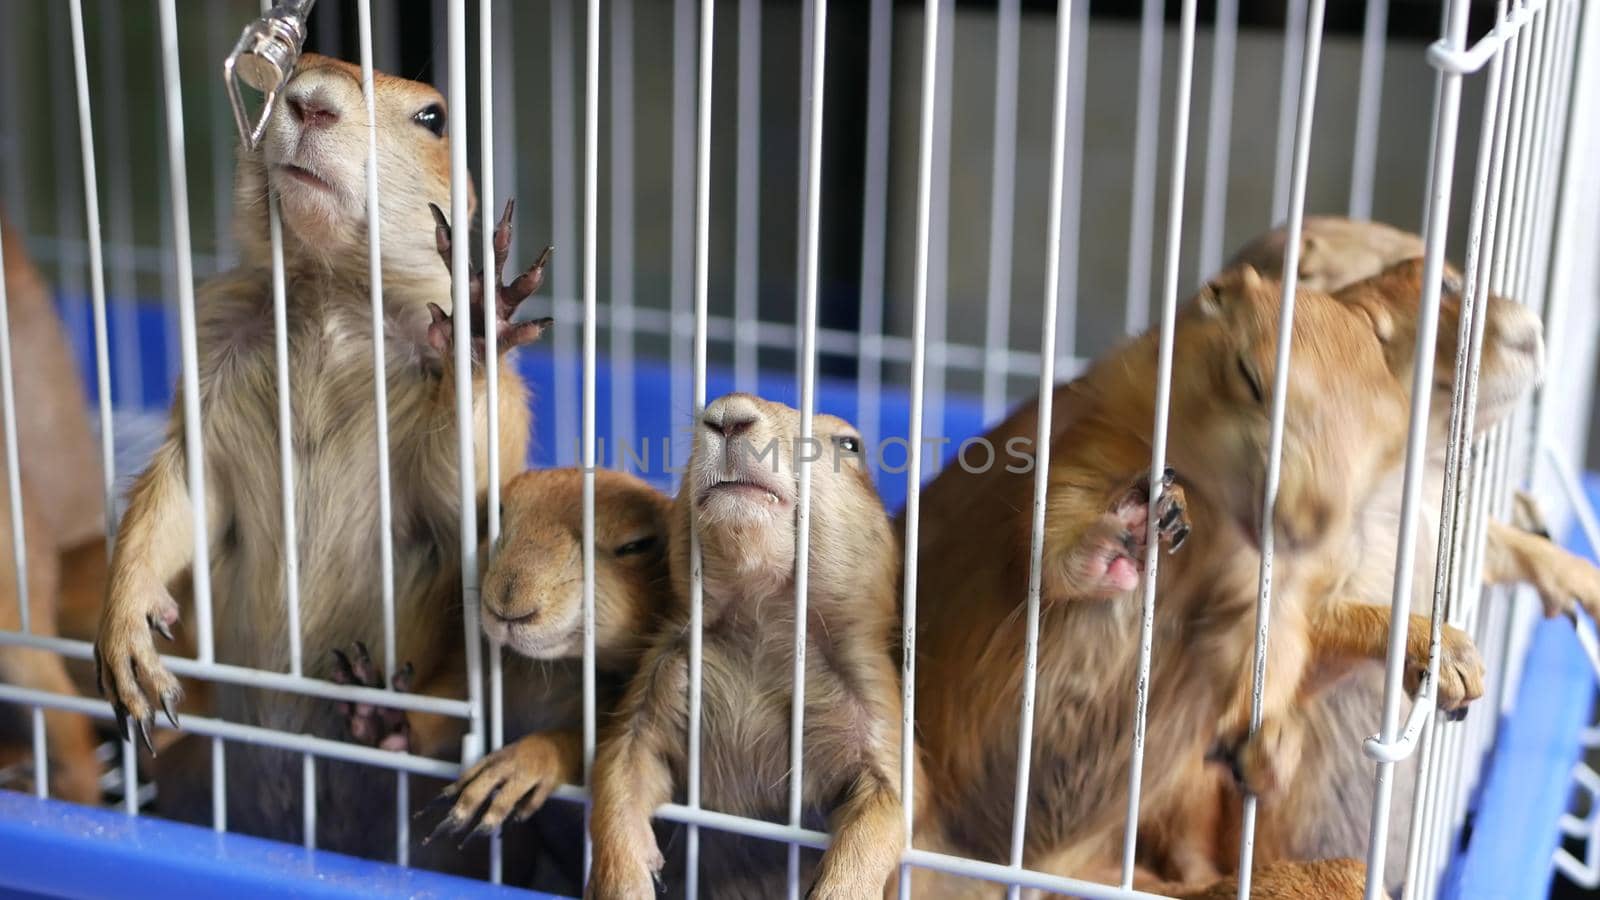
(975, 567)
(741, 486)
(313, 157)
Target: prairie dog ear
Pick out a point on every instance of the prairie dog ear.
(1453, 282)
(1378, 311)
(1249, 279)
(1209, 300)
(1310, 246)
(1240, 279)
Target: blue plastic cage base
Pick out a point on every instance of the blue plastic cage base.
(50, 848)
(1528, 777)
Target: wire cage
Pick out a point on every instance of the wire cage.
(915, 216)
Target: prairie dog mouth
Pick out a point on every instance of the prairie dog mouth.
(305, 176)
(749, 489)
(529, 640)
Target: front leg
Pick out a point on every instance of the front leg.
(1350, 630)
(1095, 549)
(633, 776)
(155, 544)
(1526, 555)
(868, 835)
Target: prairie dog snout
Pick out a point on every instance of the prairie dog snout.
(533, 589)
(747, 452)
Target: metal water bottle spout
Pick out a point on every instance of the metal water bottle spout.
(263, 58)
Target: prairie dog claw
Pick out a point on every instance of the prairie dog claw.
(128, 669)
(508, 334)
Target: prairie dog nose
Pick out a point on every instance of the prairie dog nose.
(313, 109)
(500, 601)
(1518, 328)
(731, 416)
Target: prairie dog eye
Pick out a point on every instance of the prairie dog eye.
(631, 548)
(1253, 381)
(432, 118)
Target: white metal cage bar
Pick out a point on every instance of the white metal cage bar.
(286, 488)
(702, 278)
(461, 315)
(591, 200)
(102, 352)
(1158, 440)
(1442, 169)
(1047, 358)
(380, 402)
(926, 123)
(1311, 47)
(812, 212)
(19, 547)
(491, 388)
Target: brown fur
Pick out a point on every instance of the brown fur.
(63, 517)
(971, 620)
(1328, 879)
(59, 457)
(744, 505)
(1326, 808)
(69, 737)
(335, 448)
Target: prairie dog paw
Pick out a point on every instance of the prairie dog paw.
(621, 875)
(1264, 763)
(365, 723)
(509, 784)
(1109, 559)
(128, 670)
(1461, 672)
(508, 334)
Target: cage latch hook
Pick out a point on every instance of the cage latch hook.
(263, 58)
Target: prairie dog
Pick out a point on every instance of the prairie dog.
(532, 603)
(742, 485)
(1326, 809)
(313, 156)
(62, 509)
(975, 565)
(1334, 251)
(58, 455)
